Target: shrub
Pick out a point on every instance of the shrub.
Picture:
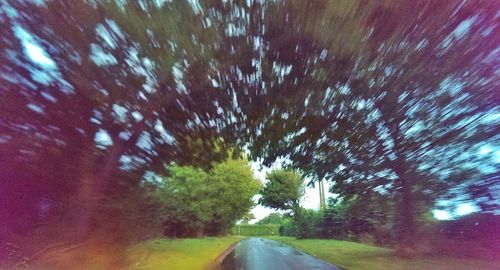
(254, 230)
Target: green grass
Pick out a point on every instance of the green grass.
(178, 254)
(356, 256)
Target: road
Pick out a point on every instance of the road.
(265, 254)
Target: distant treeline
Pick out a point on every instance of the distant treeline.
(255, 229)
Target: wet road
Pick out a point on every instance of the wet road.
(264, 254)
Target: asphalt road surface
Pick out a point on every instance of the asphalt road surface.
(265, 254)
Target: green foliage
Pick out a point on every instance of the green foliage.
(283, 190)
(248, 217)
(285, 223)
(273, 218)
(307, 223)
(359, 216)
(342, 219)
(287, 226)
(233, 186)
(196, 202)
(187, 204)
(255, 230)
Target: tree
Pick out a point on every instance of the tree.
(233, 185)
(395, 108)
(389, 99)
(247, 218)
(359, 217)
(283, 190)
(273, 218)
(187, 204)
(112, 99)
(486, 192)
(195, 202)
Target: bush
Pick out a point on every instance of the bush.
(196, 202)
(307, 222)
(254, 230)
(287, 227)
(333, 225)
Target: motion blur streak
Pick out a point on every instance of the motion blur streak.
(393, 102)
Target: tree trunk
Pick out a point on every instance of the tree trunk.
(93, 183)
(95, 177)
(322, 199)
(406, 212)
(407, 215)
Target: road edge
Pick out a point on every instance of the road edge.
(216, 263)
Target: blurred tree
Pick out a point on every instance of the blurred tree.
(307, 223)
(397, 106)
(197, 203)
(358, 217)
(486, 193)
(386, 99)
(117, 90)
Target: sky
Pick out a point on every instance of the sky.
(461, 210)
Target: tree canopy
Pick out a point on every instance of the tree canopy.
(395, 107)
(385, 99)
(194, 202)
(283, 191)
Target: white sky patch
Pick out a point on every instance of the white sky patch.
(441, 214)
(492, 151)
(32, 49)
(485, 149)
(165, 135)
(461, 209)
(493, 117)
(161, 3)
(465, 209)
(37, 54)
(35, 108)
(120, 113)
(137, 116)
(102, 138)
(496, 157)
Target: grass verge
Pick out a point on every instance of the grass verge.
(178, 254)
(356, 256)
